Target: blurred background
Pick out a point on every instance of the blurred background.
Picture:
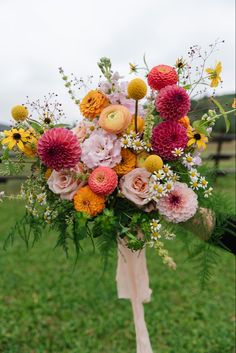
(47, 305)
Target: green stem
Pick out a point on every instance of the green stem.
(136, 117)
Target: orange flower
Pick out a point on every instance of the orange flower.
(48, 173)
(115, 119)
(184, 121)
(132, 125)
(93, 104)
(85, 200)
(127, 164)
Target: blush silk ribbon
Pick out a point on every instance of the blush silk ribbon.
(133, 283)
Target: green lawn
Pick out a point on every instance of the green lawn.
(46, 307)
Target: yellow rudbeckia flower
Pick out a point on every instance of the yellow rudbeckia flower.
(196, 138)
(214, 74)
(16, 137)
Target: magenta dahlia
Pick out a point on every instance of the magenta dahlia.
(166, 137)
(59, 148)
(172, 102)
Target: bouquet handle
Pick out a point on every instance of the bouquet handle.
(133, 283)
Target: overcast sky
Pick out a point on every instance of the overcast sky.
(37, 37)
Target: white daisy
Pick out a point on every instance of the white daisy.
(177, 152)
(203, 182)
(208, 192)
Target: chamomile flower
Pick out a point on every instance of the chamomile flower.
(41, 198)
(155, 225)
(193, 173)
(168, 235)
(208, 192)
(203, 182)
(159, 174)
(188, 160)
(177, 152)
(155, 235)
(195, 184)
(167, 170)
(169, 185)
(137, 144)
(175, 177)
(147, 146)
(158, 191)
(125, 141)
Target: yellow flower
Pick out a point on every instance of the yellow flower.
(127, 163)
(137, 89)
(196, 138)
(19, 113)
(133, 68)
(85, 200)
(214, 74)
(16, 137)
(93, 104)
(153, 163)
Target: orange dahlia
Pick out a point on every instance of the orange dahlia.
(184, 121)
(85, 200)
(93, 103)
(127, 163)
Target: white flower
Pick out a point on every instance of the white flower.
(155, 225)
(41, 198)
(194, 184)
(159, 175)
(177, 152)
(137, 144)
(147, 146)
(175, 177)
(203, 182)
(158, 190)
(169, 185)
(125, 141)
(193, 173)
(155, 236)
(188, 160)
(167, 170)
(168, 235)
(208, 192)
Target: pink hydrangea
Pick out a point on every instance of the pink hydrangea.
(179, 205)
(101, 149)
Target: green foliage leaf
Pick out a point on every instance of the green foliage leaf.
(221, 109)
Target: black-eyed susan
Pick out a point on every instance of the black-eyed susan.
(214, 74)
(16, 137)
(196, 138)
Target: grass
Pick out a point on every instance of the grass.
(47, 306)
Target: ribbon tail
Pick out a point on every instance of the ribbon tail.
(133, 283)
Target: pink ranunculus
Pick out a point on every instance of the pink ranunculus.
(65, 183)
(134, 186)
(80, 131)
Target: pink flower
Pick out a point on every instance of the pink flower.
(101, 149)
(85, 128)
(134, 186)
(65, 183)
(172, 102)
(179, 205)
(59, 148)
(103, 181)
(167, 136)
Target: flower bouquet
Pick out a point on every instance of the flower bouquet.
(127, 175)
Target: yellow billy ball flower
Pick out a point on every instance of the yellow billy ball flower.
(137, 89)
(19, 113)
(153, 163)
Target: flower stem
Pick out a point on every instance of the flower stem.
(136, 116)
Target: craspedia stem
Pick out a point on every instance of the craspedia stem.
(136, 117)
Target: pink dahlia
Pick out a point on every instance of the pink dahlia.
(103, 181)
(179, 205)
(162, 75)
(101, 149)
(166, 137)
(172, 102)
(59, 148)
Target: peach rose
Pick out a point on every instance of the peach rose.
(65, 183)
(134, 186)
(115, 119)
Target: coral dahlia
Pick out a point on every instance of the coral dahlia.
(172, 102)
(166, 137)
(103, 181)
(59, 148)
(179, 205)
(161, 76)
